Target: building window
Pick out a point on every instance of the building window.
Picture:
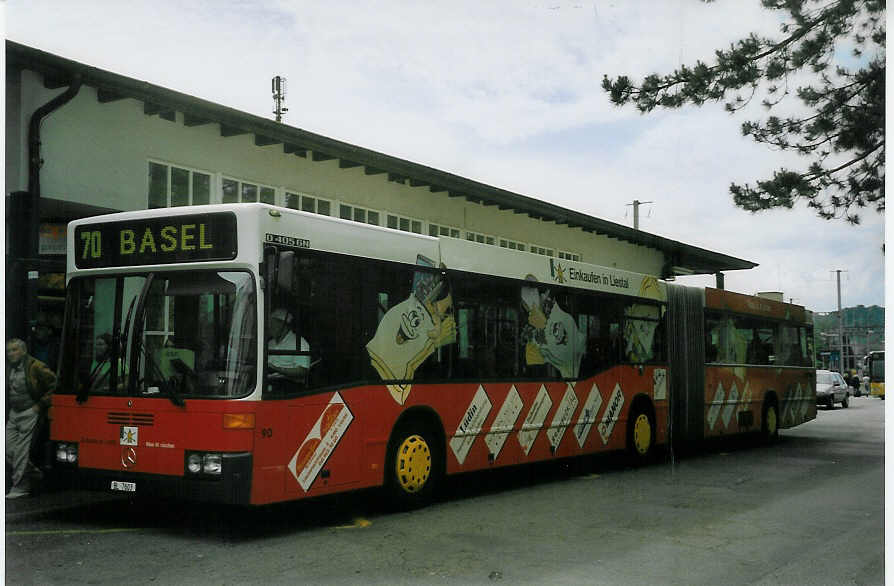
(406, 224)
(235, 191)
(171, 186)
(513, 245)
(541, 250)
(438, 230)
(308, 203)
(480, 238)
(569, 256)
(358, 214)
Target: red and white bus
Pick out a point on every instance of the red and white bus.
(252, 354)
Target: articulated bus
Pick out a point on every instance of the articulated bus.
(250, 354)
(877, 373)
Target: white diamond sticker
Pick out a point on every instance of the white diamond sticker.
(562, 418)
(534, 420)
(611, 415)
(470, 425)
(504, 422)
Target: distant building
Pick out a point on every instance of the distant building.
(82, 141)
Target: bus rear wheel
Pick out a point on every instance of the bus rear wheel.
(770, 422)
(413, 466)
(640, 434)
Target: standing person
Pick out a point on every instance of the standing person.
(29, 386)
(45, 345)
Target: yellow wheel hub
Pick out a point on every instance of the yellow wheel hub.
(413, 463)
(642, 434)
(771, 420)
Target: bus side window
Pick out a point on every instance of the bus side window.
(602, 315)
(488, 326)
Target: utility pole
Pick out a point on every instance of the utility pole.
(840, 326)
(278, 86)
(636, 203)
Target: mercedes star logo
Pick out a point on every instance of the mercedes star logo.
(128, 457)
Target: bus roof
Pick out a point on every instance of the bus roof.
(258, 224)
(754, 305)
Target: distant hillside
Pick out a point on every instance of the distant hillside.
(860, 322)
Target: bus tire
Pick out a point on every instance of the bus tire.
(413, 467)
(640, 433)
(770, 421)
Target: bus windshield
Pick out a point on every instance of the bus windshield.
(877, 367)
(176, 334)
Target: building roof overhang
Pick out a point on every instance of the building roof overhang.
(57, 72)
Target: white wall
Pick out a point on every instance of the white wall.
(98, 154)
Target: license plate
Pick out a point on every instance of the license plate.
(124, 486)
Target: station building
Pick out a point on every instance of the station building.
(81, 141)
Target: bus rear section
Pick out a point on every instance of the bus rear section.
(739, 364)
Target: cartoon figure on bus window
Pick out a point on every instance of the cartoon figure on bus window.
(551, 335)
(412, 330)
(639, 332)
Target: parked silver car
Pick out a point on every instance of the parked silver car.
(831, 389)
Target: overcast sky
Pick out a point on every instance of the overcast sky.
(506, 93)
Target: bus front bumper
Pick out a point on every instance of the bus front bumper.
(232, 486)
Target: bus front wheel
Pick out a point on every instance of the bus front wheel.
(413, 467)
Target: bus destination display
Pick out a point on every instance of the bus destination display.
(196, 237)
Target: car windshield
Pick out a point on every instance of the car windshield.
(824, 378)
(180, 334)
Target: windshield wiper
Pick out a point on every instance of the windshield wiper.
(168, 387)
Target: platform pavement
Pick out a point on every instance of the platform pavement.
(51, 499)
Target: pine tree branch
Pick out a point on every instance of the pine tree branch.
(812, 176)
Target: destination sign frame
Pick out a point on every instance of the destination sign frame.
(162, 240)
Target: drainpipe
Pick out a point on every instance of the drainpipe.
(34, 160)
(31, 205)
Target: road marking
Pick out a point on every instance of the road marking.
(73, 531)
(358, 523)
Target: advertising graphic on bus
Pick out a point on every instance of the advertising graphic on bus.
(260, 355)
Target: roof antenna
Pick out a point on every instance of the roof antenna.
(278, 86)
(636, 203)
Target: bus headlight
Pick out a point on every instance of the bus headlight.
(194, 463)
(204, 463)
(211, 464)
(67, 452)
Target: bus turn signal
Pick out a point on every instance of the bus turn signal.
(239, 420)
